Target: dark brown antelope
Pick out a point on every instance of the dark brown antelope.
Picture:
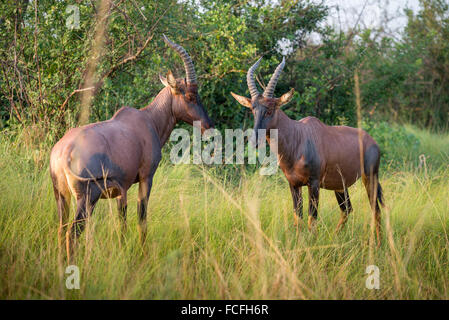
(103, 159)
(315, 155)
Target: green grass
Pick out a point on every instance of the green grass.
(214, 239)
(434, 147)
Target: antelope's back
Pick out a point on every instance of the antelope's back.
(343, 157)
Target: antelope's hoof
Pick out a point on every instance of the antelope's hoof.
(312, 224)
(295, 220)
(340, 225)
(142, 238)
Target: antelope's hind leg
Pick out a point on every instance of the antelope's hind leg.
(84, 207)
(63, 204)
(345, 207)
(314, 194)
(142, 205)
(122, 206)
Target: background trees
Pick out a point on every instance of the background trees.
(49, 71)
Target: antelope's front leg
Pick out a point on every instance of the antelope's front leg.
(297, 203)
(314, 194)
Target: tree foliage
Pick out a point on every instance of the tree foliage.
(408, 79)
(45, 66)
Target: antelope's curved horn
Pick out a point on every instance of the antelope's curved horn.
(250, 79)
(269, 90)
(188, 63)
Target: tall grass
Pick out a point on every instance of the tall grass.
(212, 238)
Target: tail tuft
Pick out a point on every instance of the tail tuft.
(380, 196)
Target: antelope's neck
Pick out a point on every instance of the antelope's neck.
(161, 115)
(288, 135)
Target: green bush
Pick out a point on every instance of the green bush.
(398, 146)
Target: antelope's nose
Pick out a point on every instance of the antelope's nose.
(207, 124)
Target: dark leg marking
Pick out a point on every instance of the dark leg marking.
(343, 201)
(297, 202)
(313, 166)
(84, 207)
(314, 194)
(345, 207)
(142, 204)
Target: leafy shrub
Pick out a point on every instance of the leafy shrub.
(397, 145)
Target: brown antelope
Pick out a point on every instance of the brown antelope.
(314, 154)
(103, 159)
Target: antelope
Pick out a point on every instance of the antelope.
(103, 159)
(313, 154)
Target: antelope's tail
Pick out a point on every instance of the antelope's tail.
(68, 170)
(380, 196)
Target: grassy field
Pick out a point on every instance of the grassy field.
(215, 239)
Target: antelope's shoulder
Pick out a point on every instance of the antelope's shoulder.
(125, 112)
(134, 120)
(310, 121)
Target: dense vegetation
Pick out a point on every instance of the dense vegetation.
(46, 66)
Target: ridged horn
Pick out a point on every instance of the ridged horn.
(250, 79)
(188, 63)
(269, 90)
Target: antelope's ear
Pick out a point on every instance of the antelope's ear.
(285, 98)
(168, 81)
(171, 80)
(163, 80)
(244, 101)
